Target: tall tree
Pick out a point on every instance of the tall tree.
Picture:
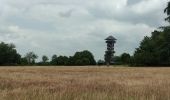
(62, 60)
(100, 62)
(71, 61)
(167, 11)
(84, 58)
(54, 60)
(125, 58)
(8, 54)
(45, 59)
(31, 57)
(154, 50)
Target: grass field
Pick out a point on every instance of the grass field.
(84, 83)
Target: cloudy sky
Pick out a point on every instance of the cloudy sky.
(63, 27)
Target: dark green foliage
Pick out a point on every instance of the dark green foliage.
(125, 58)
(31, 57)
(62, 60)
(24, 61)
(45, 59)
(84, 58)
(79, 58)
(167, 11)
(71, 61)
(154, 50)
(8, 54)
(100, 62)
(54, 60)
(117, 60)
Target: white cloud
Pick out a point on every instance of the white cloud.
(66, 26)
(148, 6)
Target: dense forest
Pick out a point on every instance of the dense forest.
(153, 51)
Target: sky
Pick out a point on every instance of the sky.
(63, 27)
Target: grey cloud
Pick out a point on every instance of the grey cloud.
(30, 23)
(132, 2)
(66, 14)
(128, 14)
(66, 26)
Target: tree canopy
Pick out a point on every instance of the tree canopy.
(84, 58)
(79, 58)
(8, 54)
(44, 59)
(154, 50)
(167, 11)
(125, 58)
(30, 58)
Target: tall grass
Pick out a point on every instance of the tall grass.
(84, 83)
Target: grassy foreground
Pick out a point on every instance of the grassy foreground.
(84, 83)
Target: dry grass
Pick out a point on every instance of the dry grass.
(84, 83)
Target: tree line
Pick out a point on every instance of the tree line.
(10, 56)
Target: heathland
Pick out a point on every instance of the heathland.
(84, 83)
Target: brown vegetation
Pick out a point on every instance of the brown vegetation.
(84, 83)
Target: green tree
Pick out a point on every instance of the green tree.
(84, 58)
(125, 58)
(54, 60)
(164, 52)
(117, 60)
(146, 53)
(62, 60)
(8, 54)
(100, 62)
(44, 59)
(31, 57)
(71, 61)
(167, 11)
(24, 61)
(154, 50)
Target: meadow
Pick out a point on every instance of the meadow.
(84, 83)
